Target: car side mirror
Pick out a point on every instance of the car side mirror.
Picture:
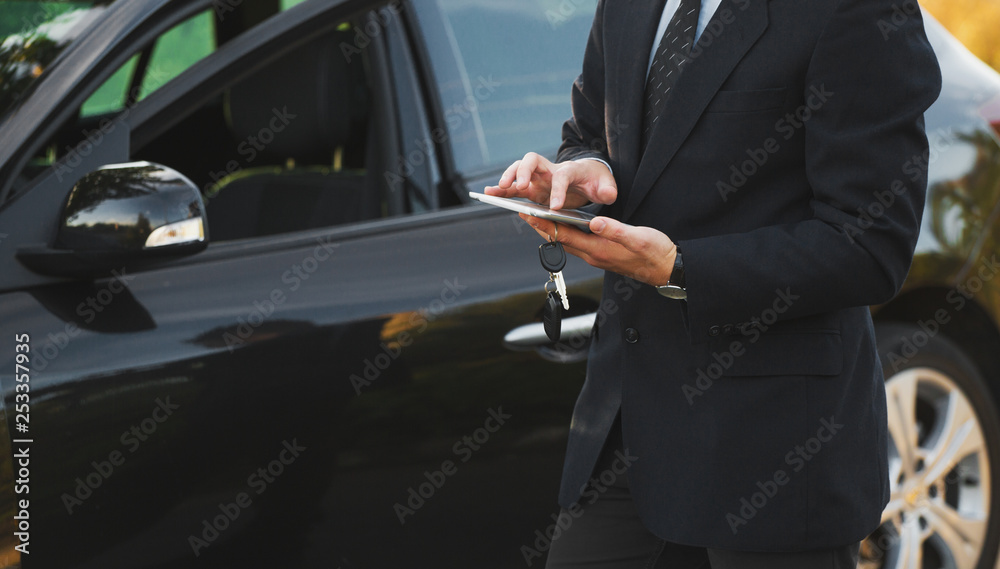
(123, 215)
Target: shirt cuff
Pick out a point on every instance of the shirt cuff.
(597, 160)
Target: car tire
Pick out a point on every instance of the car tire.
(944, 448)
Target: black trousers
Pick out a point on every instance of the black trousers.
(606, 533)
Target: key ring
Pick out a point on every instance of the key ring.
(556, 238)
(553, 283)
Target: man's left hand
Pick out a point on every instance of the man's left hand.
(641, 253)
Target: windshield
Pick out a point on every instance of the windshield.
(32, 35)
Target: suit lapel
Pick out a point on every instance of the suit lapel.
(633, 37)
(692, 93)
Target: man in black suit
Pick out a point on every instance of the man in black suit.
(733, 368)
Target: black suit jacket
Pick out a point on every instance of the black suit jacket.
(787, 168)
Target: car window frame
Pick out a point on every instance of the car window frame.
(416, 112)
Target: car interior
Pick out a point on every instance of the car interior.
(284, 149)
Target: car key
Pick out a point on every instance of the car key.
(553, 258)
(552, 317)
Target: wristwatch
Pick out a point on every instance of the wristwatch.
(675, 289)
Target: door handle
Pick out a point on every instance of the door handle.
(574, 339)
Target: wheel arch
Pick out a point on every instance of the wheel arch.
(968, 325)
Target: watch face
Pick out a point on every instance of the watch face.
(672, 291)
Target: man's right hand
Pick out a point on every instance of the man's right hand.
(565, 185)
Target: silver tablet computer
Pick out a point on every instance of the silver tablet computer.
(570, 216)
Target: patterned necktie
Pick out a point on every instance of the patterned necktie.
(671, 57)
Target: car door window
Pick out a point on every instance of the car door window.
(184, 45)
(291, 145)
(111, 97)
(175, 51)
(516, 62)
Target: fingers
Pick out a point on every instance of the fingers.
(508, 175)
(529, 178)
(628, 236)
(530, 164)
(572, 179)
(504, 188)
(607, 188)
(501, 192)
(568, 184)
(560, 186)
(533, 222)
(574, 240)
(625, 235)
(642, 253)
(578, 182)
(543, 227)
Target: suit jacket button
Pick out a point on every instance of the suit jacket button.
(729, 329)
(714, 331)
(632, 336)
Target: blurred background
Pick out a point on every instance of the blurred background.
(976, 23)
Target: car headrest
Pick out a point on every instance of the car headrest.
(302, 105)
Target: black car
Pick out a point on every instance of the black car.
(250, 318)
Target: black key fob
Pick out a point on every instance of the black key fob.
(553, 256)
(552, 317)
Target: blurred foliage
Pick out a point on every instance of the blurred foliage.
(20, 17)
(974, 22)
(32, 34)
(21, 62)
